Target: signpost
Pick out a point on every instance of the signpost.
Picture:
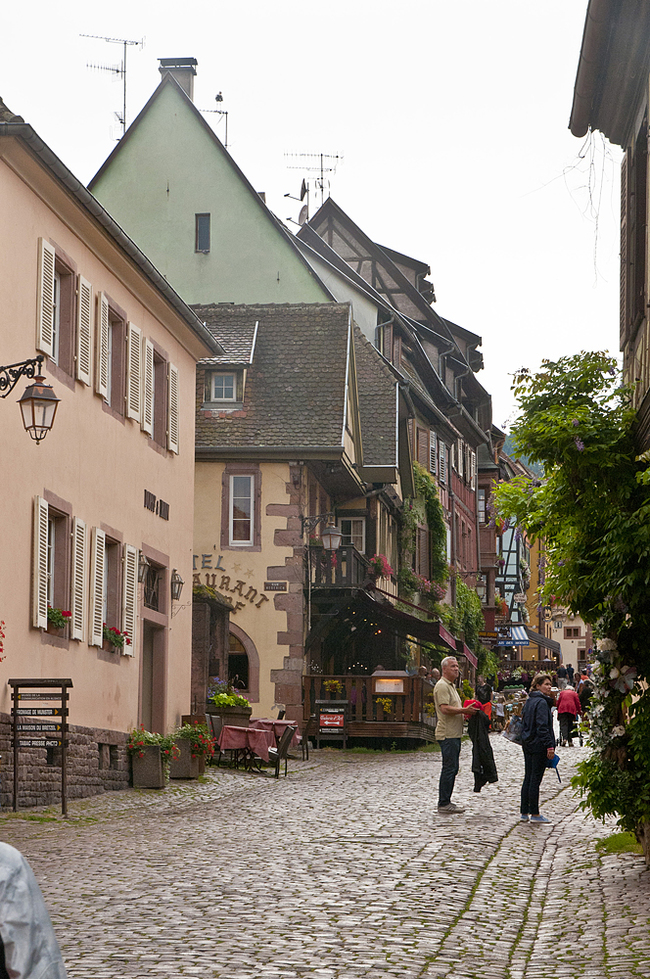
(30, 729)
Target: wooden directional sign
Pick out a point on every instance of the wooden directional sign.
(38, 743)
(38, 711)
(30, 720)
(38, 727)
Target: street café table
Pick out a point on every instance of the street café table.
(247, 743)
(276, 727)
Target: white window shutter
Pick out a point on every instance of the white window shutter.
(78, 583)
(101, 360)
(442, 456)
(134, 373)
(433, 453)
(172, 409)
(146, 421)
(96, 621)
(84, 330)
(130, 598)
(460, 457)
(45, 298)
(39, 581)
(473, 469)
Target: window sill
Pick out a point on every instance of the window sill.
(222, 405)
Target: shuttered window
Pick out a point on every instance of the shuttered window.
(472, 469)
(97, 571)
(134, 373)
(442, 462)
(433, 453)
(460, 457)
(172, 409)
(84, 331)
(423, 447)
(78, 582)
(130, 598)
(422, 552)
(147, 387)
(40, 564)
(102, 359)
(45, 298)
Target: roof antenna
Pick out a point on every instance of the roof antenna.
(321, 164)
(220, 112)
(121, 71)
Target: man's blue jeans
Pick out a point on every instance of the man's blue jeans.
(450, 748)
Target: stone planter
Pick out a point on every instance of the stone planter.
(184, 766)
(148, 771)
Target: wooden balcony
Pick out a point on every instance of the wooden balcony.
(344, 568)
(407, 718)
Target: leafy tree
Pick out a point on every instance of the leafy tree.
(593, 510)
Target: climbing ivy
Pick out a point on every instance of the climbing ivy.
(425, 507)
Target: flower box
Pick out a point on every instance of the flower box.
(148, 770)
(184, 766)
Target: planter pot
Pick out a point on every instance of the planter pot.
(148, 772)
(184, 766)
(239, 716)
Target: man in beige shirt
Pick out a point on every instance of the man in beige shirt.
(449, 730)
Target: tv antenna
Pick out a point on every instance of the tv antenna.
(220, 112)
(121, 71)
(322, 163)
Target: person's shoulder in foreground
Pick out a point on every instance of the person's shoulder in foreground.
(28, 942)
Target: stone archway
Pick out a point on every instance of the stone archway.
(253, 692)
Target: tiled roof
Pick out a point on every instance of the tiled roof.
(377, 405)
(238, 339)
(296, 388)
(6, 115)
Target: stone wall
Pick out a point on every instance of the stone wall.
(97, 762)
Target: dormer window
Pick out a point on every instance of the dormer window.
(222, 387)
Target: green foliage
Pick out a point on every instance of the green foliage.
(466, 618)
(426, 508)
(488, 661)
(201, 741)
(619, 843)
(592, 510)
(139, 739)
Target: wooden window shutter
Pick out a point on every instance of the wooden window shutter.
(39, 581)
(433, 453)
(172, 409)
(146, 422)
(410, 424)
(472, 469)
(442, 460)
(460, 457)
(45, 298)
(78, 582)
(624, 252)
(423, 447)
(134, 373)
(130, 597)
(397, 351)
(84, 330)
(388, 341)
(96, 622)
(101, 361)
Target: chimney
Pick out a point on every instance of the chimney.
(182, 70)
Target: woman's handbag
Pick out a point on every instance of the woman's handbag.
(514, 731)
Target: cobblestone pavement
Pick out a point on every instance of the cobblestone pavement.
(329, 874)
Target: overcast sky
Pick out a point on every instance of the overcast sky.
(450, 117)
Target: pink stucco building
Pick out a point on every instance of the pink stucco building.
(111, 483)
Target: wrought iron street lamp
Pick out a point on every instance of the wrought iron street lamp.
(39, 402)
(331, 536)
(176, 586)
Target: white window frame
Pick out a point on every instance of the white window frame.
(213, 378)
(351, 535)
(231, 499)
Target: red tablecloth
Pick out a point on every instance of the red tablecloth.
(277, 727)
(256, 740)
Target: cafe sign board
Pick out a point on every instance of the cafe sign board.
(332, 718)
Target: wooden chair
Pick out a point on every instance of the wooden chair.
(281, 714)
(310, 730)
(281, 752)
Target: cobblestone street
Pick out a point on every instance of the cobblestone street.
(329, 874)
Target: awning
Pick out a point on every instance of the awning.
(516, 636)
(408, 625)
(465, 651)
(543, 641)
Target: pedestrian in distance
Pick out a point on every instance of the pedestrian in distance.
(538, 744)
(568, 707)
(449, 729)
(562, 677)
(570, 672)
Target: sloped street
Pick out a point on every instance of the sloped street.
(344, 870)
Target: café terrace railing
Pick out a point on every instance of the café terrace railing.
(359, 691)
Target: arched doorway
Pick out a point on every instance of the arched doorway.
(244, 663)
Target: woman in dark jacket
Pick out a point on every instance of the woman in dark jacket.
(538, 745)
